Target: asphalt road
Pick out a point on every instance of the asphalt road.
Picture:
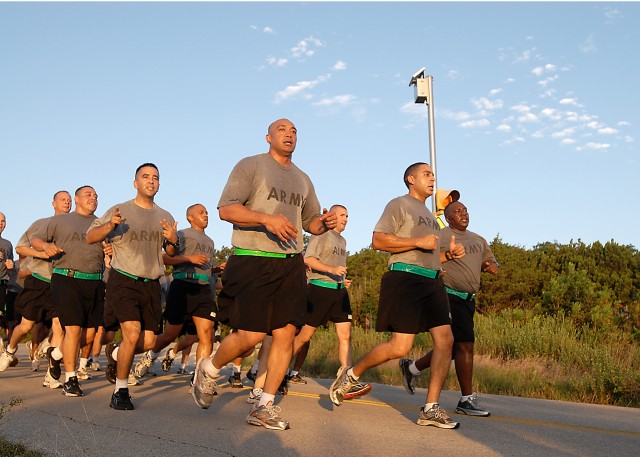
(166, 422)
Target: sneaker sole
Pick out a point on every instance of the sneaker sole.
(193, 386)
(473, 413)
(437, 424)
(406, 385)
(71, 394)
(362, 393)
(332, 395)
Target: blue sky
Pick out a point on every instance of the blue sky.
(536, 107)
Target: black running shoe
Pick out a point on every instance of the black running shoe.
(251, 376)
(235, 381)
(284, 386)
(54, 365)
(71, 388)
(112, 365)
(121, 400)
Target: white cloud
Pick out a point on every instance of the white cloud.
(563, 133)
(569, 101)
(340, 65)
(588, 46)
(503, 128)
(537, 71)
(475, 123)
(612, 14)
(485, 103)
(568, 141)
(299, 88)
(494, 92)
(520, 108)
(607, 131)
(551, 113)
(628, 138)
(453, 74)
(510, 80)
(306, 47)
(594, 125)
(546, 81)
(597, 146)
(268, 30)
(528, 117)
(624, 123)
(278, 62)
(341, 100)
(537, 134)
(453, 115)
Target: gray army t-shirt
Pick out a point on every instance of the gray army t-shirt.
(408, 217)
(261, 184)
(137, 242)
(69, 233)
(192, 242)
(6, 253)
(330, 248)
(40, 267)
(463, 274)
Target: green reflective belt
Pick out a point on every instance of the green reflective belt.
(415, 269)
(464, 295)
(251, 252)
(129, 275)
(40, 277)
(189, 275)
(327, 284)
(78, 274)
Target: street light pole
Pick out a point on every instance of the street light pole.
(424, 94)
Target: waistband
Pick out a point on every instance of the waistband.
(41, 278)
(190, 275)
(78, 274)
(415, 269)
(327, 284)
(464, 295)
(251, 252)
(137, 278)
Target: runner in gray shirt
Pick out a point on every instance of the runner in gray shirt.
(137, 230)
(269, 201)
(6, 264)
(412, 293)
(76, 284)
(462, 281)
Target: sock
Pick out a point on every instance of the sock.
(209, 368)
(171, 354)
(266, 398)
(236, 368)
(11, 351)
(153, 355)
(293, 373)
(121, 384)
(351, 375)
(69, 374)
(413, 369)
(56, 354)
(466, 398)
(83, 363)
(428, 406)
(254, 367)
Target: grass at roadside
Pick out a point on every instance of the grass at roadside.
(7, 448)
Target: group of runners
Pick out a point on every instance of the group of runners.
(272, 293)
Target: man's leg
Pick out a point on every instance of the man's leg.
(343, 330)
(204, 329)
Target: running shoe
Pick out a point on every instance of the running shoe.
(254, 395)
(341, 386)
(251, 376)
(297, 379)
(283, 388)
(168, 360)
(204, 387)
(132, 380)
(267, 416)
(71, 388)
(437, 417)
(112, 364)
(408, 380)
(182, 370)
(94, 365)
(235, 381)
(470, 408)
(29, 345)
(142, 367)
(54, 365)
(50, 382)
(358, 390)
(121, 400)
(83, 374)
(5, 360)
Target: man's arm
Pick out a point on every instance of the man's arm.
(395, 244)
(100, 232)
(242, 216)
(28, 251)
(315, 264)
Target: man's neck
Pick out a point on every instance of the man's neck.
(144, 202)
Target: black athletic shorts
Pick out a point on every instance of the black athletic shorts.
(324, 305)
(78, 301)
(261, 294)
(186, 299)
(129, 299)
(9, 306)
(462, 312)
(411, 303)
(34, 302)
